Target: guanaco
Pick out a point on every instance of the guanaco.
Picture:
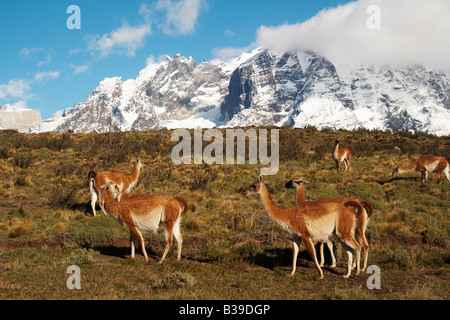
(313, 222)
(362, 220)
(342, 155)
(428, 164)
(144, 213)
(125, 182)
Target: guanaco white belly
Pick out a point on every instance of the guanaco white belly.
(149, 223)
(432, 166)
(321, 228)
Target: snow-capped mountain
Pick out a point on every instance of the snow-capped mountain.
(263, 88)
(17, 117)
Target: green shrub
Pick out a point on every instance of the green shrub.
(362, 190)
(202, 176)
(400, 258)
(23, 159)
(175, 280)
(437, 235)
(81, 257)
(64, 197)
(91, 230)
(20, 212)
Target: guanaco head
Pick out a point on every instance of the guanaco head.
(396, 171)
(139, 163)
(336, 142)
(112, 188)
(294, 182)
(254, 188)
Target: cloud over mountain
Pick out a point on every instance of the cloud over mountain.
(409, 31)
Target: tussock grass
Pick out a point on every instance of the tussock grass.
(232, 248)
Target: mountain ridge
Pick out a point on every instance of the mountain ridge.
(264, 88)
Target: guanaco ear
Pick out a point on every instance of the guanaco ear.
(260, 179)
(103, 186)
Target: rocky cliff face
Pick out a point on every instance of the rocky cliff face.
(263, 88)
(306, 89)
(18, 118)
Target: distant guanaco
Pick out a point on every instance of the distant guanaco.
(428, 164)
(342, 155)
(124, 181)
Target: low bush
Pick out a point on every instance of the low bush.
(101, 229)
(175, 280)
(82, 257)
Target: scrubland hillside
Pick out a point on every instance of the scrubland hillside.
(232, 249)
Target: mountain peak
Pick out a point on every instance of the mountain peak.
(265, 88)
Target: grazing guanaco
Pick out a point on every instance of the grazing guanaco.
(144, 213)
(342, 155)
(361, 219)
(313, 222)
(125, 182)
(428, 164)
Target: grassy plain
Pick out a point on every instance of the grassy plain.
(232, 249)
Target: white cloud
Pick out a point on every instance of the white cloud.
(123, 40)
(411, 31)
(74, 51)
(27, 52)
(229, 33)
(225, 54)
(46, 62)
(146, 12)
(47, 75)
(15, 89)
(181, 16)
(79, 69)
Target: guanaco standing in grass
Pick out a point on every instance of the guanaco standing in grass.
(428, 164)
(362, 220)
(126, 183)
(342, 155)
(313, 222)
(144, 213)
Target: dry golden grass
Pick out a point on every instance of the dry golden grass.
(232, 249)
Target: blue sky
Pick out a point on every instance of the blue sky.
(47, 67)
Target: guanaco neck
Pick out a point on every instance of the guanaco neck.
(111, 205)
(336, 150)
(135, 174)
(299, 193)
(275, 212)
(409, 168)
